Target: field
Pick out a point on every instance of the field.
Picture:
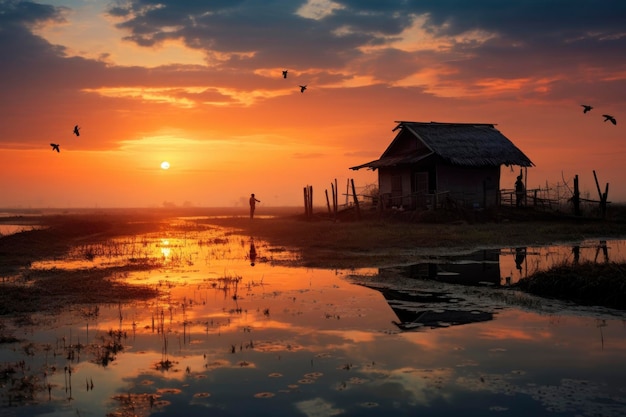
(151, 310)
(322, 242)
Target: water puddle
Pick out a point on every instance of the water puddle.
(233, 332)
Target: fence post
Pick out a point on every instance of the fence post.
(356, 201)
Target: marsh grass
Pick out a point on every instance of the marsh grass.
(587, 283)
(322, 242)
(380, 241)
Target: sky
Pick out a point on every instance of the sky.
(199, 84)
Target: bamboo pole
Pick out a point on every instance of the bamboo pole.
(327, 201)
(576, 197)
(603, 197)
(332, 188)
(310, 201)
(356, 201)
(336, 197)
(306, 203)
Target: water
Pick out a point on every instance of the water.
(225, 337)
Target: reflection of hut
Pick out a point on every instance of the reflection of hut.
(427, 163)
(478, 268)
(418, 310)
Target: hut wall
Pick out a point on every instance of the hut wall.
(468, 186)
(394, 186)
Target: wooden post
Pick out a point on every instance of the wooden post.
(356, 201)
(327, 201)
(603, 201)
(311, 200)
(306, 203)
(332, 189)
(336, 203)
(576, 197)
(603, 197)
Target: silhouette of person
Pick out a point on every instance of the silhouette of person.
(576, 252)
(252, 254)
(520, 190)
(520, 256)
(253, 202)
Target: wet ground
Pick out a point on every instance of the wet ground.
(235, 333)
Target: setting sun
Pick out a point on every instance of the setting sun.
(165, 165)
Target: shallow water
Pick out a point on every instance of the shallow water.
(226, 337)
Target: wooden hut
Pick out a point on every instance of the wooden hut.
(429, 163)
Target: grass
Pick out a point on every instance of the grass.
(588, 283)
(392, 239)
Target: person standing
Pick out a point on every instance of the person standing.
(520, 191)
(253, 202)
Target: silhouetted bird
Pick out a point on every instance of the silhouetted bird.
(55, 147)
(586, 108)
(76, 132)
(285, 73)
(608, 117)
(302, 88)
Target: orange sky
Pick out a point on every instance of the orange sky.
(200, 86)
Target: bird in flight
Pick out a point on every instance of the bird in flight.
(608, 117)
(76, 130)
(55, 147)
(586, 108)
(302, 88)
(285, 73)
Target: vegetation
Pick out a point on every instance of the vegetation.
(375, 240)
(401, 237)
(587, 283)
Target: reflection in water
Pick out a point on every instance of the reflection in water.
(228, 339)
(430, 309)
(252, 252)
(496, 266)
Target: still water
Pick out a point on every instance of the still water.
(235, 333)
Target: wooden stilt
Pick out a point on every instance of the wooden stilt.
(356, 201)
(576, 197)
(327, 202)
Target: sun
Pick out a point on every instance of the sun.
(165, 165)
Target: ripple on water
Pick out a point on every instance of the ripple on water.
(264, 395)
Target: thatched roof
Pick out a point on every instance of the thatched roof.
(461, 144)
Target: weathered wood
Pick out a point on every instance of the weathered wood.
(310, 200)
(603, 197)
(356, 201)
(327, 202)
(336, 198)
(595, 177)
(306, 203)
(333, 191)
(604, 201)
(576, 197)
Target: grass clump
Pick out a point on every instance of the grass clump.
(587, 283)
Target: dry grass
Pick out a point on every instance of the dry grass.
(393, 239)
(26, 291)
(400, 238)
(587, 283)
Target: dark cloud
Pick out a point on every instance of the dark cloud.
(15, 13)
(554, 44)
(271, 30)
(543, 35)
